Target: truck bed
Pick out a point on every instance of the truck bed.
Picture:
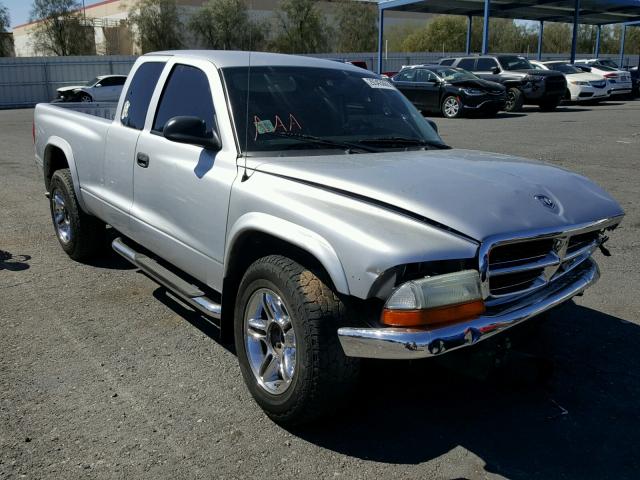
(105, 110)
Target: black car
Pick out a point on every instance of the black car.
(451, 91)
(524, 83)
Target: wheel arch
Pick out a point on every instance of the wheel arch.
(256, 235)
(57, 155)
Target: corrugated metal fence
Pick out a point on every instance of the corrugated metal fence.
(30, 80)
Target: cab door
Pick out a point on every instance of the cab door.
(181, 191)
(115, 192)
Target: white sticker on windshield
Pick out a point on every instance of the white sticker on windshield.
(379, 83)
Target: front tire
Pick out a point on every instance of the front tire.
(286, 320)
(80, 235)
(85, 98)
(514, 100)
(452, 107)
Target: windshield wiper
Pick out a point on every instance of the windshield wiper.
(402, 142)
(347, 146)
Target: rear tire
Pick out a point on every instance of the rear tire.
(514, 101)
(452, 107)
(320, 376)
(80, 235)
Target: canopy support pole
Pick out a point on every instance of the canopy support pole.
(574, 35)
(380, 37)
(485, 27)
(596, 52)
(623, 34)
(540, 40)
(469, 27)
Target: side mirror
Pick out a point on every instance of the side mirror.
(495, 70)
(191, 130)
(432, 124)
(98, 85)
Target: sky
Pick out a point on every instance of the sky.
(19, 10)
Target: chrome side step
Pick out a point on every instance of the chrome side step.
(185, 290)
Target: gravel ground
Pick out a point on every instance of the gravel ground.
(102, 375)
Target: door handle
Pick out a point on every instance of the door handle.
(142, 159)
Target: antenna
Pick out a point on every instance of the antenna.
(246, 118)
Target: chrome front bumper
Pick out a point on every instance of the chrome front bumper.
(406, 344)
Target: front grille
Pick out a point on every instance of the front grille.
(555, 83)
(515, 267)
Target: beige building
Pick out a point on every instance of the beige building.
(113, 36)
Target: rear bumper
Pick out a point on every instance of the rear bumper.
(403, 343)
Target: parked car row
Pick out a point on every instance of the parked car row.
(491, 83)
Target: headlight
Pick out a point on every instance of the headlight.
(576, 82)
(448, 298)
(472, 91)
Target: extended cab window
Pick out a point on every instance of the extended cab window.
(447, 62)
(485, 64)
(136, 104)
(466, 63)
(186, 92)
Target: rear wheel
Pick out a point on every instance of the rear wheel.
(452, 107)
(80, 234)
(514, 100)
(286, 320)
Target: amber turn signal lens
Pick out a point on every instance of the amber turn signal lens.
(433, 316)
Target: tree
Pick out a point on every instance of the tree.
(59, 30)
(157, 25)
(357, 27)
(225, 25)
(6, 40)
(302, 28)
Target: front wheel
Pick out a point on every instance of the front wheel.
(514, 100)
(452, 107)
(286, 320)
(85, 98)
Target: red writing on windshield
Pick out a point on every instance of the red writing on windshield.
(266, 126)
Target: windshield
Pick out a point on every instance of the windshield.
(608, 63)
(515, 63)
(288, 105)
(91, 82)
(564, 68)
(454, 74)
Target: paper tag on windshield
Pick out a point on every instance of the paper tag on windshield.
(379, 83)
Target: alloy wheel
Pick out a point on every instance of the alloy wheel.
(270, 341)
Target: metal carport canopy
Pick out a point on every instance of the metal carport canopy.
(590, 12)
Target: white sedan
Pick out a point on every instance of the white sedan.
(619, 80)
(105, 88)
(581, 86)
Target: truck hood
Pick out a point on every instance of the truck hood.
(475, 193)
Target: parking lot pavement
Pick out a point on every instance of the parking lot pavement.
(103, 375)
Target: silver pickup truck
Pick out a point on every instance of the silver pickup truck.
(311, 210)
